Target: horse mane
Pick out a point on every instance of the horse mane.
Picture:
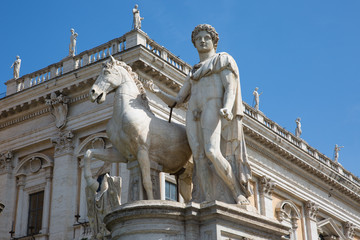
(138, 83)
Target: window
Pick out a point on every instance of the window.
(36, 201)
(170, 191)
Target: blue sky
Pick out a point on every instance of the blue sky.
(303, 55)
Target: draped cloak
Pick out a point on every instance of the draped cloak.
(100, 203)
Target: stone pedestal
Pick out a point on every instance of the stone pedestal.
(155, 220)
(136, 188)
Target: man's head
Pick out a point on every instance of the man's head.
(17, 57)
(208, 28)
(72, 30)
(136, 6)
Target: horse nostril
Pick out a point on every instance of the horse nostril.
(92, 91)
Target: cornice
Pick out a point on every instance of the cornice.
(321, 172)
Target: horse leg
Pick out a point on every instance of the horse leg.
(107, 155)
(144, 162)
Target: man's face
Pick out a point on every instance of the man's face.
(203, 42)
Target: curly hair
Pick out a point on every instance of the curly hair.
(206, 27)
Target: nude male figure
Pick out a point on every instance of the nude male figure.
(213, 90)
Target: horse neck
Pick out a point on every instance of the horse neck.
(126, 95)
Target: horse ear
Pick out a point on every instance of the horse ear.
(113, 60)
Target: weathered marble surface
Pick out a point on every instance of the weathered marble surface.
(136, 17)
(136, 133)
(257, 98)
(298, 130)
(16, 65)
(72, 45)
(101, 195)
(214, 123)
(154, 220)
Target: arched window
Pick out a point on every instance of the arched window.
(288, 213)
(34, 183)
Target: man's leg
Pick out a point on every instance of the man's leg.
(211, 127)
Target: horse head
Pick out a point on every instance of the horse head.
(111, 77)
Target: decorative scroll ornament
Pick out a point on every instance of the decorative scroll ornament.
(311, 210)
(59, 108)
(266, 186)
(349, 230)
(6, 162)
(63, 143)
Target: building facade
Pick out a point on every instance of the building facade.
(47, 123)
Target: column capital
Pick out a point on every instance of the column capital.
(266, 186)
(311, 210)
(6, 159)
(63, 142)
(349, 230)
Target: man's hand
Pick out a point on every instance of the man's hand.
(226, 113)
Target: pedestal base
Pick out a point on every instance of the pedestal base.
(157, 219)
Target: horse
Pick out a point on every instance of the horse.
(136, 133)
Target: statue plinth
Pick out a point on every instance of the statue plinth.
(136, 189)
(159, 219)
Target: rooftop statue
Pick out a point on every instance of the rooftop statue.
(257, 98)
(298, 130)
(136, 18)
(214, 122)
(16, 65)
(136, 133)
(336, 152)
(72, 46)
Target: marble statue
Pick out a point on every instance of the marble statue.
(136, 133)
(72, 46)
(257, 98)
(16, 65)
(214, 122)
(298, 130)
(102, 194)
(59, 108)
(136, 17)
(336, 152)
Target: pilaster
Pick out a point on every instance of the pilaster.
(68, 64)
(266, 188)
(134, 38)
(63, 194)
(311, 210)
(21, 178)
(47, 204)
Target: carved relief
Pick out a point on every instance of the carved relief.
(59, 108)
(63, 143)
(349, 230)
(35, 164)
(266, 186)
(311, 210)
(6, 162)
(288, 213)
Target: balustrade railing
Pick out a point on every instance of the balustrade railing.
(169, 57)
(80, 60)
(298, 142)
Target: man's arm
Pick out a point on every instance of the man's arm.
(170, 100)
(228, 79)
